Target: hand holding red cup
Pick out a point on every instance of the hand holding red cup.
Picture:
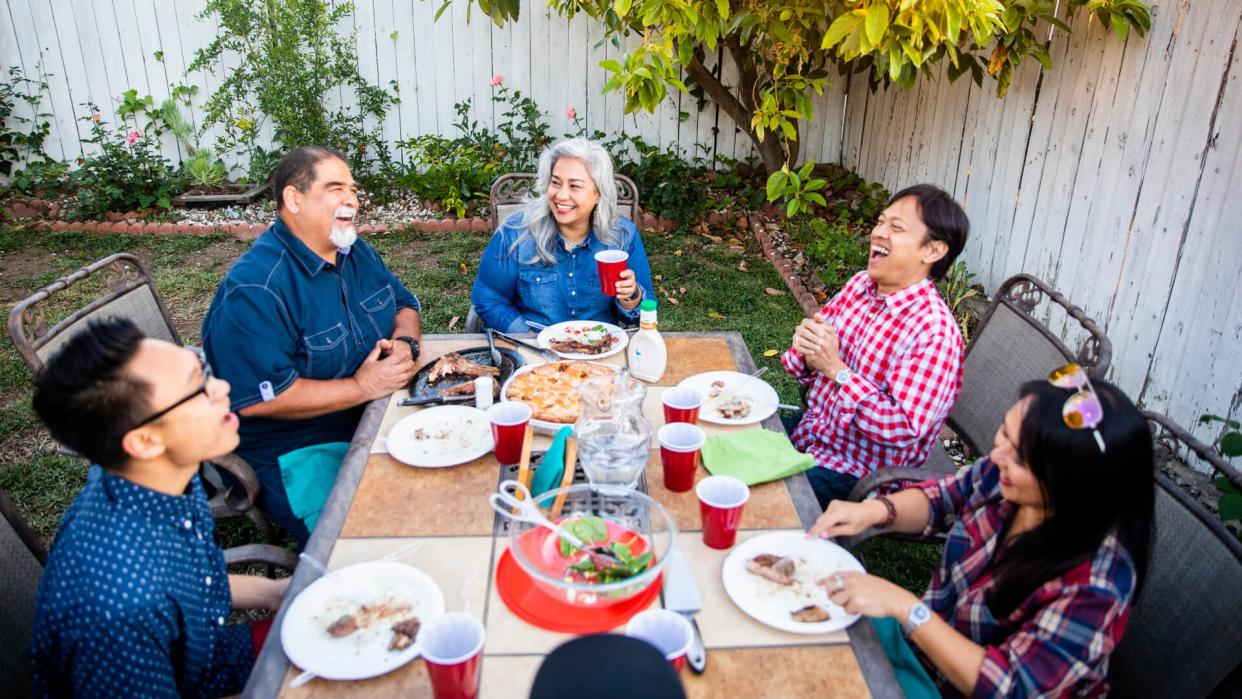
(610, 263)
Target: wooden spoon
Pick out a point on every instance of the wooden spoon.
(528, 441)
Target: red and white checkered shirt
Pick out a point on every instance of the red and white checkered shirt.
(905, 354)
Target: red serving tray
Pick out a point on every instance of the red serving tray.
(531, 604)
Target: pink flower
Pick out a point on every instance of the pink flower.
(362, 148)
(571, 113)
(96, 117)
(133, 137)
(497, 79)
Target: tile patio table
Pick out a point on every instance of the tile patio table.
(379, 505)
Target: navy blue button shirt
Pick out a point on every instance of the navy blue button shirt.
(283, 312)
(511, 289)
(134, 599)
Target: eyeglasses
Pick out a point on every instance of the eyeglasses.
(1083, 409)
(202, 390)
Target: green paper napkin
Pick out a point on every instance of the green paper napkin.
(754, 456)
(308, 474)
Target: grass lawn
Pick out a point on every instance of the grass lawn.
(440, 269)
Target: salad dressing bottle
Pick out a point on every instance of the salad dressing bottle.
(647, 354)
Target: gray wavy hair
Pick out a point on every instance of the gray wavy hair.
(537, 218)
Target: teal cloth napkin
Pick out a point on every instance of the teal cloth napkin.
(308, 474)
(911, 675)
(754, 456)
(552, 466)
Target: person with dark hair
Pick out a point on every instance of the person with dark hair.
(606, 666)
(882, 360)
(135, 594)
(309, 325)
(1048, 542)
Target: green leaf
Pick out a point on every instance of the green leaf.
(159, 55)
(1230, 503)
(622, 7)
(393, 36)
(722, 9)
(841, 27)
(440, 11)
(815, 197)
(1120, 25)
(776, 185)
(790, 132)
(877, 22)
(1231, 445)
(791, 209)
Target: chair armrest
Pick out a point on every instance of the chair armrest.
(237, 467)
(261, 553)
(874, 480)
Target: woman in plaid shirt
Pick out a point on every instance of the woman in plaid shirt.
(1048, 539)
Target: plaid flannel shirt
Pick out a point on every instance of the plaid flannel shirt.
(1057, 641)
(905, 354)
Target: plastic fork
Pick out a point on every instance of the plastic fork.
(523, 509)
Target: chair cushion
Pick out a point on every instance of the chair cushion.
(138, 305)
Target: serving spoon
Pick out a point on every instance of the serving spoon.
(524, 509)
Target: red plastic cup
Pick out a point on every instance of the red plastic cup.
(680, 447)
(721, 499)
(452, 646)
(669, 632)
(681, 405)
(611, 264)
(509, 421)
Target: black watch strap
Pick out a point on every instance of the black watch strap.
(414, 347)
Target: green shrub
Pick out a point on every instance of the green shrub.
(128, 173)
(21, 138)
(836, 249)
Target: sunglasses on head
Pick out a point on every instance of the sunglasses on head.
(1083, 409)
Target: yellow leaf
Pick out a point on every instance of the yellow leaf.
(773, 292)
(463, 269)
(678, 253)
(659, 277)
(453, 323)
(770, 353)
(715, 315)
(672, 300)
(741, 266)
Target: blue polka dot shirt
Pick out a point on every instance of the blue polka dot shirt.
(134, 599)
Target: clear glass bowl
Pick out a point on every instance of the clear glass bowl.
(626, 513)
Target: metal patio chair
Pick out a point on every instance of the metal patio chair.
(1183, 637)
(506, 197)
(129, 293)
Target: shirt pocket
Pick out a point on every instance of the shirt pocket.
(326, 352)
(538, 289)
(380, 310)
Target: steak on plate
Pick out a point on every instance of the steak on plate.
(778, 569)
(404, 633)
(810, 614)
(575, 346)
(467, 389)
(453, 364)
(343, 627)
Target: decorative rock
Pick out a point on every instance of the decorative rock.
(150, 228)
(167, 229)
(480, 224)
(715, 218)
(381, 228)
(21, 210)
(463, 225)
(114, 216)
(649, 220)
(742, 222)
(60, 226)
(366, 229)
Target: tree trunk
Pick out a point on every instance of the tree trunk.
(740, 107)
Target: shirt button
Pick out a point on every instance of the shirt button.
(573, 293)
(208, 581)
(188, 524)
(219, 621)
(571, 275)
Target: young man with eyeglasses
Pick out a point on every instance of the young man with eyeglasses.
(135, 596)
(882, 360)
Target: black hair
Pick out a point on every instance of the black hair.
(945, 219)
(87, 397)
(1088, 495)
(297, 168)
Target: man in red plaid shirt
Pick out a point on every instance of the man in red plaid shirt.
(883, 359)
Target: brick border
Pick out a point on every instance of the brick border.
(784, 267)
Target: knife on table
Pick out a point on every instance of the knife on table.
(435, 400)
(681, 595)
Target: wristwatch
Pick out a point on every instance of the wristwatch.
(843, 376)
(414, 348)
(919, 614)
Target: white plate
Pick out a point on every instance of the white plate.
(770, 603)
(552, 332)
(763, 398)
(364, 653)
(541, 426)
(455, 434)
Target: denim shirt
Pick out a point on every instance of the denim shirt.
(284, 313)
(134, 599)
(511, 289)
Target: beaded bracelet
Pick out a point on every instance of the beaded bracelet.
(892, 511)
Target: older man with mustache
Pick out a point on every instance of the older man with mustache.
(309, 325)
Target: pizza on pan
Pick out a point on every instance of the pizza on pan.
(551, 390)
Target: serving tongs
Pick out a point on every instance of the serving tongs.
(513, 501)
(547, 354)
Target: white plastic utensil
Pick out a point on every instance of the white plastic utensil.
(728, 393)
(507, 500)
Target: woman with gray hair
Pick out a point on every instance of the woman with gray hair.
(540, 265)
